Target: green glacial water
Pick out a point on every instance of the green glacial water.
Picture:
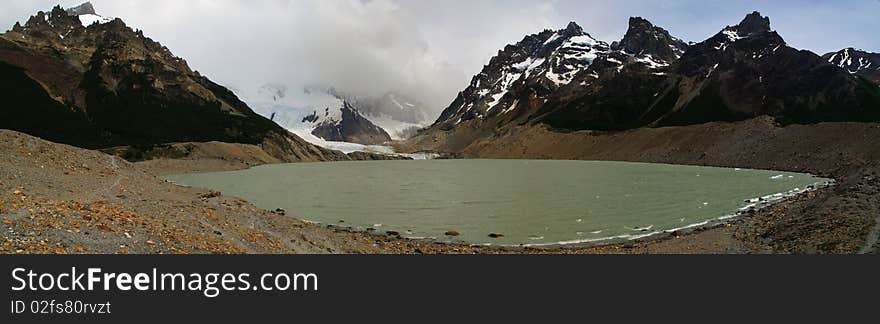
(529, 202)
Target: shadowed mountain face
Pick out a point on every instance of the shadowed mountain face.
(77, 78)
(28, 107)
(568, 80)
(642, 37)
(747, 71)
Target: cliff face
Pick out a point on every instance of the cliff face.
(78, 78)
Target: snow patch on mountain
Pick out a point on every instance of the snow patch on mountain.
(299, 110)
(398, 130)
(651, 62)
(732, 35)
(399, 115)
(90, 19)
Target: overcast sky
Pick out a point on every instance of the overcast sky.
(429, 48)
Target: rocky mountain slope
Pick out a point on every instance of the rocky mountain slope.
(74, 77)
(568, 80)
(857, 62)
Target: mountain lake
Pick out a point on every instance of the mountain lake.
(529, 202)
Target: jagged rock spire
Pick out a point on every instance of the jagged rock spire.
(643, 37)
(753, 23)
(573, 29)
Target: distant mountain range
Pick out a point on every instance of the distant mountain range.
(569, 80)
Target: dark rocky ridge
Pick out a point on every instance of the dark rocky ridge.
(643, 37)
(746, 71)
(108, 85)
(753, 23)
(651, 78)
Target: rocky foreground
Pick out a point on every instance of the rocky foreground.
(56, 198)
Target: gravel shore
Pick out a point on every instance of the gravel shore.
(56, 198)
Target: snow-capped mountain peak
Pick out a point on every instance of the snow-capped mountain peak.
(545, 61)
(854, 60)
(652, 79)
(324, 115)
(298, 110)
(754, 29)
(525, 73)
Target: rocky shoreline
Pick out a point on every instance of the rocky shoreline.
(59, 199)
(838, 221)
